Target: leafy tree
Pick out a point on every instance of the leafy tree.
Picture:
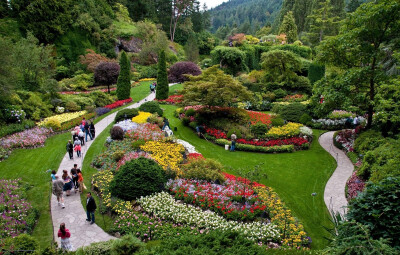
(124, 80)
(315, 72)
(4, 9)
(353, 5)
(7, 82)
(192, 49)
(178, 71)
(358, 50)
(179, 7)
(106, 73)
(377, 207)
(229, 58)
(289, 28)
(46, 19)
(91, 59)
(162, 90)
(214, 88)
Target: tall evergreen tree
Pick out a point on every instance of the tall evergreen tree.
(124, 80)
(289, 27)
(162, 78)
(301, 9)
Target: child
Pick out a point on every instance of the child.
(77, 147)
(53, 175)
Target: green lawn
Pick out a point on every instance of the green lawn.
(294, 176)
(140, 91)
(175, 87)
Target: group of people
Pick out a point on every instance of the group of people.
(65, 184)
(352, 123)
(79, 137)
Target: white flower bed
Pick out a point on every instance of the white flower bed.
(188, 147)
(306, 131)
(164, 206)
(127, 125)
(337, 122)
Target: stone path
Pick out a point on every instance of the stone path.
(74, 214)
(334, 195)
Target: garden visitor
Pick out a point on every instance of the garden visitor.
(58, 186)
(70, 149)
(199, 130)
(53, 175)
(349, 122)
(77, 147)
(80, 180)
(84, 121)
(166, 124)
(233, 140)
(356, 122)
(67, 182)
(81, 137)
(152, 88)
(90, 208)
(74, 175)
(87, 131)
(92, 129)
(65, 235)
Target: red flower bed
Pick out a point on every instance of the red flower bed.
(241, 179)
(293, 98)
(118, 103)
(354, 186)
(195, 156)
(174, 99)
(216, 133)
(298, 141)
(259, 117)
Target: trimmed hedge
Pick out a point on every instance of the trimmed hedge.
(151, 107)
(248, 147)
(130, 113)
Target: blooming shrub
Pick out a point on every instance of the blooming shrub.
(289, 130)
(218, 134)
(340, 114)
(29, 138)
(146, 132)
(168, 155)
(232, 200)
(345, 139)
(294, 98)
(62, 118)
(17, 215)
(256, 117)
(164, 206)
(118, 103)
(147, 79)
(354, 186)
(298, 141)
(306, 131)
(173, 99)
(142, 117)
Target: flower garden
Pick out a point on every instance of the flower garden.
(187, 206)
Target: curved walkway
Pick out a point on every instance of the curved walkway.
(74, 214)
(334, 195)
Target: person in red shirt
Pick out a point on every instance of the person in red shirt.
(65, 235)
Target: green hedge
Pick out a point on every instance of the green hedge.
(249, 147)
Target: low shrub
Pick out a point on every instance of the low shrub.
(103, 248)
(126, 245)
(139, 177)
(259, 130)
(117, 133)
(102, 110)
(72, 106)
(190, 112)
(53, 124)
(292, 112)
(305, 119)
(118, 155)
(101, 99)
(23, 242)
(204, 169)
(280, 93)
(152, 107)
(126, 114)
(368, 140)
(136, 144)
(277, 122)
(235, 131)
(90, 108)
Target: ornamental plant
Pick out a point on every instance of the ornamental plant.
(178, 71)
(138, 177)
(256, 117)
(289, 130)
(126, 114)
(124, 80)
(151, 107)
(203, 169)
(145, 132)
(162, 78)
(29, 138)
(118, 103)
(62, 117)
(106, 73)
(141, 118)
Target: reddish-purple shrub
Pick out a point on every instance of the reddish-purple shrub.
(106, 73)
(176, 72)
(354, 186)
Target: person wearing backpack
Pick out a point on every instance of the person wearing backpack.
(70, 149)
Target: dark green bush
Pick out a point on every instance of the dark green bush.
(190, 112)
(130, 113)
(138, 177)
(315, 72)
(368, 140)
(185, 121)
(152, 107)
(117, 133)
(292, 112)
(136, 144)
(277, 122)
(280, 93)
(193, 124)
(305, 119)
(259, 129)
(302, 51)
(235, 131)
(101, 99)
(23, 242)
(103, 248)
(378, 208)
(207, 169)
(126, 245)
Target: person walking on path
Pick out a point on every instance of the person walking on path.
(80, 180)
(75, 177)
(233, 140)
(64, 233)
(70, 149)
(152, 88)
(92, 129)
(87, 131)
(53, 175)
(58, 186)
(78, 147)
(90, 208)
(81, 137)
(67, 182)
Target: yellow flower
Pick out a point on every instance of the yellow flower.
(62, 117)
(142, 117)
(288, 130)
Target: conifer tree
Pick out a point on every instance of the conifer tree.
(124, 81)
(162, 78)
(288, 27)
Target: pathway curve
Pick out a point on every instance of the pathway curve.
(334, 195)
(74, 214)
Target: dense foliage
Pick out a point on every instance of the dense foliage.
(151, 107)
(178, 71)
(162, 78)
(124, 80)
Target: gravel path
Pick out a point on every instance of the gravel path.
(334, 195)
(74, 215)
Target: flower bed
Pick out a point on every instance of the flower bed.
(289, 130)
(248, 147)
(344, 139)
(256, 117)
(174, 99)
(218, 134)
(164, 206)
(146, 132)
(62, 118)
(297, 141)
(130, 156)
(232, 200)
(294, 98)
(142, 117)
(75, 122)
(26, 139)
(354, 186)
(194, 156)
(17, 215)
(118, 103)
(86, 92)
(340, 114)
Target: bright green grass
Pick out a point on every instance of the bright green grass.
(30, 165)
(140, 91)
(175, 87)
(294, 176)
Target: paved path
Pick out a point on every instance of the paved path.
(334, 195)
(74, 215)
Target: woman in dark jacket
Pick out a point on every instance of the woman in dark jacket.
(92, 129)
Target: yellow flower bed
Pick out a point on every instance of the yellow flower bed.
(62, 117)
(142, 117)
(147, 79)
(288, 130)
(101, 181)
(168, 155)
(293, 233)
